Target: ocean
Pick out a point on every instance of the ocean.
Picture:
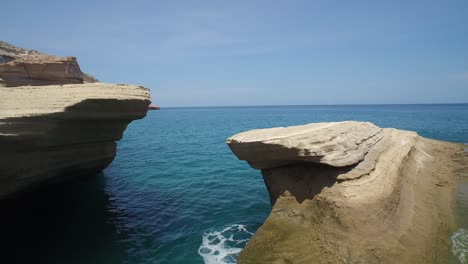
(175, 193)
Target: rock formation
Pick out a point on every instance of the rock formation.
(53, 124)
(153, 107)
(19, 66)
(351, 192)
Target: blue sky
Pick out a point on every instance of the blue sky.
(277, 52)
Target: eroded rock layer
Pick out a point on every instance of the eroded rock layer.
(62, 130)
(350, 192)
(19, 66)
(334, 144)
(54, 132)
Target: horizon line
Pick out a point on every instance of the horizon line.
(279, 105)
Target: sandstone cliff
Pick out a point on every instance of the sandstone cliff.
(19, 66)
(53, 132)
(351, 192)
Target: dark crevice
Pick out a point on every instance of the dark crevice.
(303, 181)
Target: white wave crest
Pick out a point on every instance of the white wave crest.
(220, 247)
(460, 245)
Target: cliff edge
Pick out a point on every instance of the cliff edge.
(351, 192)
(57, 122)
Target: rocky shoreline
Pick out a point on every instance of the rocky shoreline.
(341, 192)
(57, 122)
(351, 192)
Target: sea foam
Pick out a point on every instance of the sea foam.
(219, 247)
(460, 245)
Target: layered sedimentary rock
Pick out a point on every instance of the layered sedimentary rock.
(55, 132)
(9, 52)
(351, 192)
(19, 66)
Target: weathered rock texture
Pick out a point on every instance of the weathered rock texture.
(9, 52)
(351, 192)
(54, 132)
(28, 67)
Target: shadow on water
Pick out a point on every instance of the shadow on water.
(68, 222)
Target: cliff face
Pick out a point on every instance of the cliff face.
(351, 192)
(52, 132)
(19, 66)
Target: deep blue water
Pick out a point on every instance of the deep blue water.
(175, 185)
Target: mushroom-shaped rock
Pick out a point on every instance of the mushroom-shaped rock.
(351, 192)
(337, 144)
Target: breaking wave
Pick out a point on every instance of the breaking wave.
(460, 245)
(219, 247)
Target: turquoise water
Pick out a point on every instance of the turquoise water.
(175, 193)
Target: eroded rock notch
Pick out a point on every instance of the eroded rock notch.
(351, 192)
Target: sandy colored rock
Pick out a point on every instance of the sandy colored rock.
(393, 205)
(26, 101)
(20, 66)
(61, 131)
(55, 132)
(336, 144)
(9, 52)
(40, 70)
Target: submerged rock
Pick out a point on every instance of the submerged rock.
(351, 192)
(53, 132)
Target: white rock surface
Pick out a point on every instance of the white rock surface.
(336, 144)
